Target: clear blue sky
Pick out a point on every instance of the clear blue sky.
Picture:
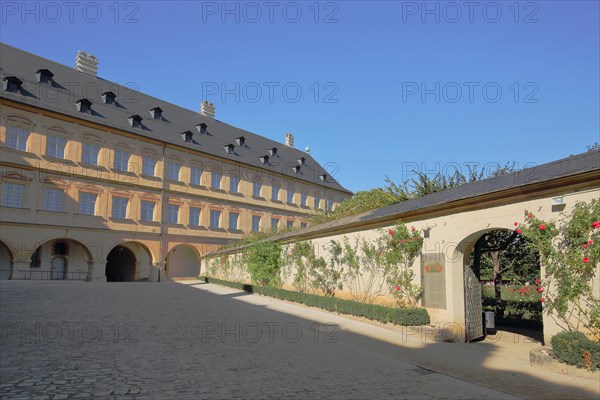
(371, 62)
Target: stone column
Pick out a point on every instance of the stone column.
(138, 272)
(20, 270)
(156, 271)
(96, 271)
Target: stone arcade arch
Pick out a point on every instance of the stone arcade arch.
(128, 262)
(6, 261)
(120, 265)
(183, 261)
(60, 258)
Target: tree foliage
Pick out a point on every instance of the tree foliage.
(420, 185)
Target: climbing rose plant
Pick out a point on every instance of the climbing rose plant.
(570, 254)
(402, 246)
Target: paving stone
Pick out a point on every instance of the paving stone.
(177, 341)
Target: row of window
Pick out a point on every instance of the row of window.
(16, 138)
(13, 196)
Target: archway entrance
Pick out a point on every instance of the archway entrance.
(6, 262)
(183, 261)
(120, 265)
(503, 278)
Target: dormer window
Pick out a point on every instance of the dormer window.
(301, 161)
(297, 169)
(187, 136)
(202, 127)
(135, 121)
(156, 113)
(84, 105)
(264, 159)
(273, 151)
(240, 141)
(229, 148)
(12, 84)
(323, 177)
(44, 76)
(109, 97)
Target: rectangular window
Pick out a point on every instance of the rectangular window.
(89, 154)
(215, 180)
(87, 203)
(13, 195)
(255, 223)
(53, 199)
(55, 146)
(16, 138)
(290, 224)
(274, 224)
(233, 220)
(303, 198)
(215, 218)
(147, 212)
(172, 213)
(119, 207)
(329, 205)
(122, 160)
(195, 176)
(303, 224)
(173, 173)
(234, 184)
(148, 166)
(256, 186)
(317, 201)
(290, 196)
(275, 193)
(194, 216)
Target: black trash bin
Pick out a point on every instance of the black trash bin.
(490, 323)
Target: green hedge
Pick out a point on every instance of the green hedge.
(574, 348)
(398, 316)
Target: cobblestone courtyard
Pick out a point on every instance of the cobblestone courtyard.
(70, 340)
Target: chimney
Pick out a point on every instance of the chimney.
(289, 139)
(207, 109)
(86, 63)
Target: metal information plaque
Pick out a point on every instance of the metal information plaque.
(433, 279)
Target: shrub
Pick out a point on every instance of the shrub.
(398, 316)
(574, 348)
(264, 263)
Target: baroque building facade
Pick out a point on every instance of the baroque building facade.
(102, 182)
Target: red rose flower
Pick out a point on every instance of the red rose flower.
(540, 290)
(415, 238)
(396, 287)
(537, 281)
(519, 231)
(542, 299)
(596, 224)
(590, 242)
(530, 216)
(391, 232)
(584, 246)
(542, 227)
(412, 229)
(586, 260)
(407, 240)
(520, 290)
(516, 223)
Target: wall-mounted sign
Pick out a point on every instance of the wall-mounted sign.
(433, 280)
